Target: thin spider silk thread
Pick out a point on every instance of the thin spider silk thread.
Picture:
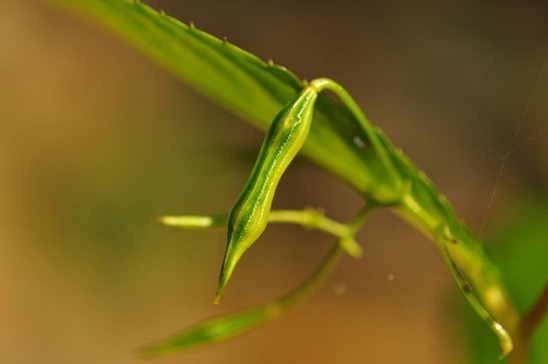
(511, 149)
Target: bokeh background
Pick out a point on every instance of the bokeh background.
(97, 142)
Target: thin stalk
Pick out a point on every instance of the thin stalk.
(308, 218)
(533, 318)
(529, 324)
(327, 266)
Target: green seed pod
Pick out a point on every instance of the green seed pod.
(249, 215)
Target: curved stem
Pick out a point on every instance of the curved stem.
(529, 324)
(535, 315)
(327, 266)
(321, 84)
(315, 279)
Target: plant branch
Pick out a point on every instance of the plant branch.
(528, 325)
(308, 218)
(533, 318)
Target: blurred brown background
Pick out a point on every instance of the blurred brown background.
(97, 142)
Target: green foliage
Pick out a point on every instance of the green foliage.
(341, 140)
(245, 84)
(223, 328)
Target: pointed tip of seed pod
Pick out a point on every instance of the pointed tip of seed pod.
(192, 26)
(243, 230)
(230, 260)
(220, 287)
(223, 280)
(270, 62)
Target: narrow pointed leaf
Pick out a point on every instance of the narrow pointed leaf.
(245, 84)
(215, 330)
(223, 328)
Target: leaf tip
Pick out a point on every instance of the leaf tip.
(506, 343)
(154, 350)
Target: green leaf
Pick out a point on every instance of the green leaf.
(215, 330)
(248, 86)
(223, 328)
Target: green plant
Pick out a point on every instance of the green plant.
(341, 140)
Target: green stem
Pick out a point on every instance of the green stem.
(308, 218)
(315, 279)
(327, 266)
(392, 176)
